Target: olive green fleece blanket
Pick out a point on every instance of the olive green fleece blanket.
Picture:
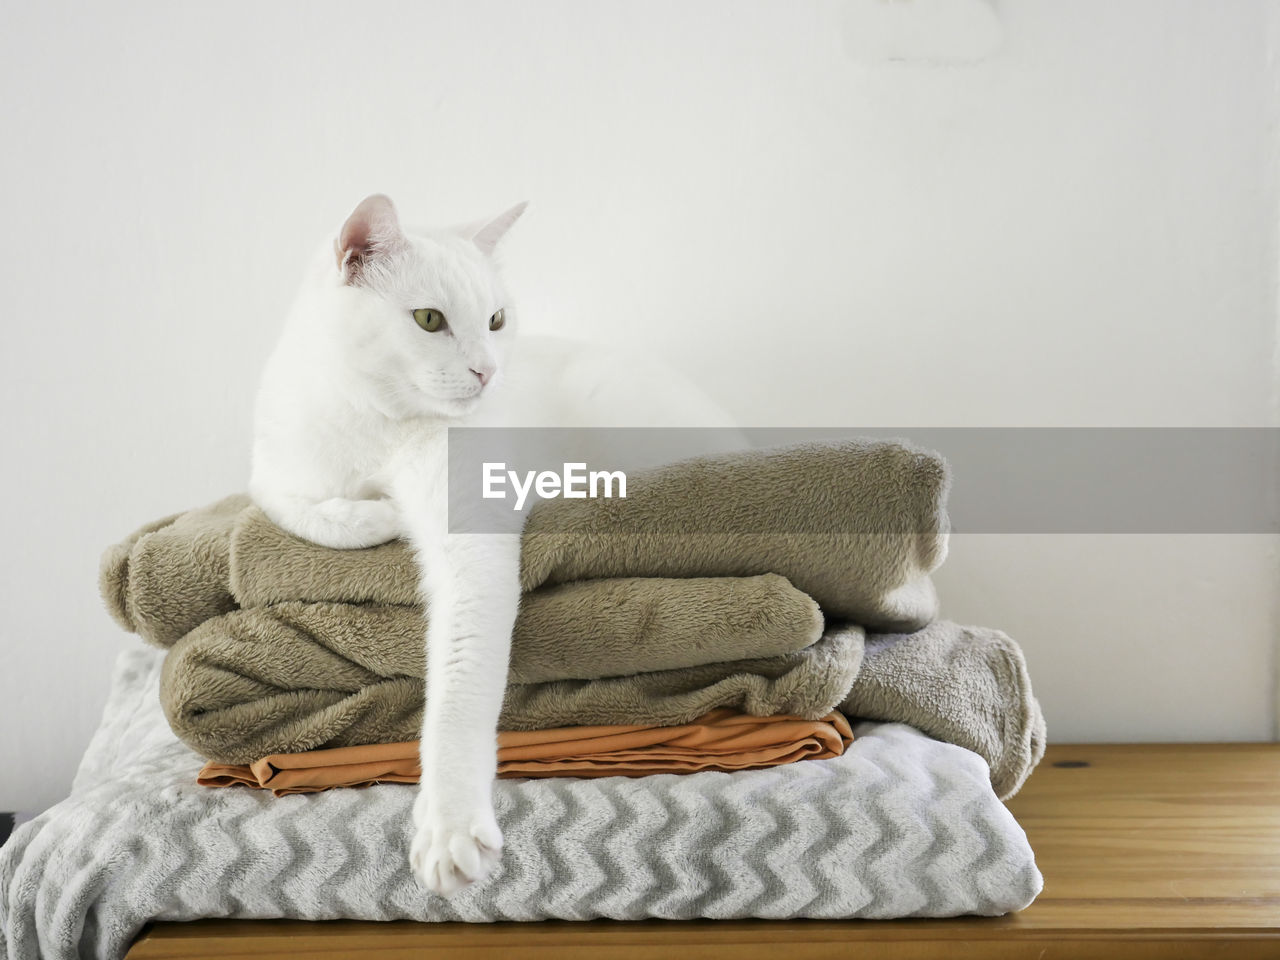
(858, 526)
(706, 587)
(296, 676)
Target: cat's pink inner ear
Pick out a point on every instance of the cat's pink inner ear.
(493, 231)
(372, 229)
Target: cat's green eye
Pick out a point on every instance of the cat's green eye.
(497, 320)
(430, 319)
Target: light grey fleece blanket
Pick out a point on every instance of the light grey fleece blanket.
(901, 825)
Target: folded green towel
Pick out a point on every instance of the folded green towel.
(298, 676)
(858, 526)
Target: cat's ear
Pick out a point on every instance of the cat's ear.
(487, 237)
(372, 230)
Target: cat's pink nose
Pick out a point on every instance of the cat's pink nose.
(485, 373)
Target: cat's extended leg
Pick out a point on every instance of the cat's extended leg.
(472, 587)
(474, 593)
(336, 522)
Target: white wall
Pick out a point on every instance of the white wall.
(1079, 231)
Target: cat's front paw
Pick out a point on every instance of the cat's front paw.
(453, 845)
(354, 524)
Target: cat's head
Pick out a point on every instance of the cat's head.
(425, 317)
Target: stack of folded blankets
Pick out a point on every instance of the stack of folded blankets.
(728, 697)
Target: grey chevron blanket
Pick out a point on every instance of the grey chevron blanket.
(899, 826)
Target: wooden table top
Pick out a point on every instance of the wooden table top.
(1148, 850)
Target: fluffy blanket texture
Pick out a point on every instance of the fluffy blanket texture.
(858, 526)
(745, 581)
(900, 825)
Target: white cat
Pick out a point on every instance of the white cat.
(395, 337)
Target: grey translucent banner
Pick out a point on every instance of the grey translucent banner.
(1002, 480)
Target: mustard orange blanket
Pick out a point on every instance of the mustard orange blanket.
(723, 739)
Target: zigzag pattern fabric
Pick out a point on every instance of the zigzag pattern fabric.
(899, 826)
